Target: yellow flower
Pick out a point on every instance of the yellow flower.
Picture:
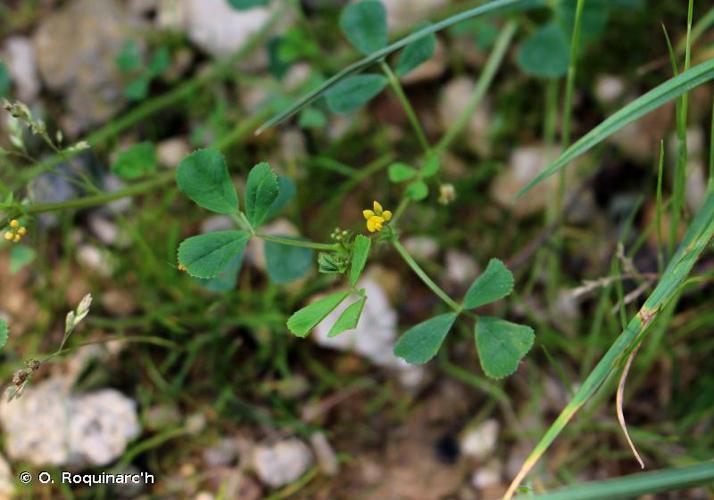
(182, 268)
(16, 231)
(14, 224)
(377, 217)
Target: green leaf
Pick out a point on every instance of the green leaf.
(545, 53)
(138, 89)
(494, 283)
(365, 25)
(207, 255)
(501, 345)
(417, 190)
(421, 342)
(203, 177)
(286, 263)
(311, 118)
(20, 256)
(5, 80)
(135, 161)
(309, 316)
(160, 62)
(370, 60)
(349, 318)
(261, 191)
(415, 54)
(247, 4)
(4, 333)
(400, 172)
(431, 166)
(354, 91)
(129, 57)
(360, 253)
(225, 280)
(286, 192)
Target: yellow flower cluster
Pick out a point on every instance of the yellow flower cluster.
(377, 217)
(16, 232)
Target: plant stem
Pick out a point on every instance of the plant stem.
(297, 243)
(424, 277)
(484, 82)
(408, 109)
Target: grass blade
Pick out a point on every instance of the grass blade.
(695, 241)
(375, 57)
(637, 484)
(663, 93)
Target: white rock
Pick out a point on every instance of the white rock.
(451, 104)
(281, 463)
(96, 260)
(422, 247)
(49, 426)
(326, 457)
(219, 29)
(22, 66)
(696, 186)
(7, 480)
(170, 152)
(406, 14)
(609, 88)
(107, 230)
(461, 268)
(479, 442)
(487, 475)
(217, 223)
(524, 165)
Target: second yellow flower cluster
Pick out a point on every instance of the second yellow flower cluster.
(16, 232)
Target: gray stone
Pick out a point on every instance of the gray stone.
(76, 49)
(22, 66)
(281, 463)
(48, 425)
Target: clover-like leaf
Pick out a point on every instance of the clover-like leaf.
(286, 192)
(421, 342)
(286, 263)
(135, 161)
(545, 53)
(206, 255)
(354, 91)
(261, 191)
(226, 279)
(400, 172)
(501, 345)
(349, 318)
(360, 253)
(4, 333)
(365, 25)
(304, 320)
(431, 166)
(495, 283)
(203, 177)
(416, 53)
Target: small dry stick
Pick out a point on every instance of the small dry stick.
(620, 414)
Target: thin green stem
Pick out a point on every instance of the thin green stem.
(408, 109)
(484, 82)
(424, 277)
(659, 207)
(297, 243)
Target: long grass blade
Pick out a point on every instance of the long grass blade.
(634, 485)
(663, 93)
(490, 7)
(695, 241)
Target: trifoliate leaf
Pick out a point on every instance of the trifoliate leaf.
(545, 53)
(309, 316)
(495, 283)
(360, 253)
(365, 25)
(400, 172)
(421, 342)
(354, 91)
(349, 318)
(225, 280)
(203, 177)
(415, 54)
(135, 161)
(501, 345)
(286, 263)
(261, 191)
(206, 255)
(431, 166)
(286, 192)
